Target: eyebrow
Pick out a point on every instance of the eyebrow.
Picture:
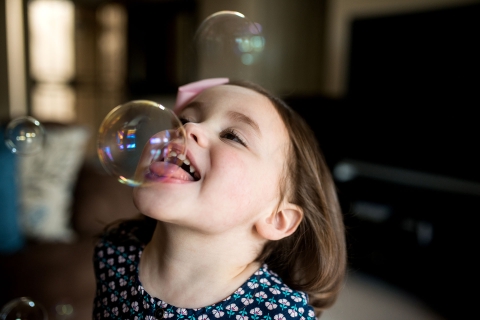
(233, 115)
(193, 104)
(240, 117)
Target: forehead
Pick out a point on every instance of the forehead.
(239, 99)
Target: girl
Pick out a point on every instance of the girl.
(251, 229)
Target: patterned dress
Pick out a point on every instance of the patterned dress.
(120, 295)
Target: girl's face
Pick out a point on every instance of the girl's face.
(237, 144)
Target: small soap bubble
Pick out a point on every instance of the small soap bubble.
(228, 42)
(25, 135)
(23, 308)
(64, 310)
(136, 141)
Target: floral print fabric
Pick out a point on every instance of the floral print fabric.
(120, 295)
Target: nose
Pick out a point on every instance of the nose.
(196, 132)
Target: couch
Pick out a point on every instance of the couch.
(57, 271)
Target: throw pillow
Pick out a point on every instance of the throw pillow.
(47, 180)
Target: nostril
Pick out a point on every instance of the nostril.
(195, 132)
(194, 137)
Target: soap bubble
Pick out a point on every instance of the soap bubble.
(25, 135)
(64, 310)
(135, 138)
(227, 44)
(23, 308)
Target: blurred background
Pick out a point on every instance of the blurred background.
(390, 88)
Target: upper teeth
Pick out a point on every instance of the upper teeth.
(183, 159)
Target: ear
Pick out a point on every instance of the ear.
(281, 223)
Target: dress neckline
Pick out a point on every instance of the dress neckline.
(229, 303)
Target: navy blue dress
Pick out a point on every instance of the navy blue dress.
(120, 295)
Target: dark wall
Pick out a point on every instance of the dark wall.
(153, 42)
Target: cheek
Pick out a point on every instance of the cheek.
(247, 184)
(234, 176)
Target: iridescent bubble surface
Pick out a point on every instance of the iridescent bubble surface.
(23, 308)
(136, 141)
(25, 135)
(227, 44)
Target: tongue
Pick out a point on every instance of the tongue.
(169, 170)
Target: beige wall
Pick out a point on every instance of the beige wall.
(13, 83)
(307, 41)
(4, 110)
(293, 31)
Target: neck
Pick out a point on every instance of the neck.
(178, 264)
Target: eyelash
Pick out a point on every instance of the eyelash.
(184, 121)
(232, 132)
(224, 133)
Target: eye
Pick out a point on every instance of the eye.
(231, 134)
(184, 120)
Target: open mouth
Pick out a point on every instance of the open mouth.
(182, 161)
(174, 165)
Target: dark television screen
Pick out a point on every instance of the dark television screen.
(413, 91)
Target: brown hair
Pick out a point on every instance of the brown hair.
(313, 259)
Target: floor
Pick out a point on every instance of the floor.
(366, 298)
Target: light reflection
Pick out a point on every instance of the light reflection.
(52, 59)
(258, 43)
(109, 153)
(26, 136)
(247, 59)
(248, 47)
(155, 154)
(126, 139)
(51, 40)
(64, 309)
(255, 28)
(54, 102)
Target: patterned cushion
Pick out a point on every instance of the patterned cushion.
(46, 182)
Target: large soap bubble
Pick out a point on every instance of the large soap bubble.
(228, 44)
(25, 135)
(141, 141)
(23, 308)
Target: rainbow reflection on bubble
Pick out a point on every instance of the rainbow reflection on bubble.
(134, 135)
